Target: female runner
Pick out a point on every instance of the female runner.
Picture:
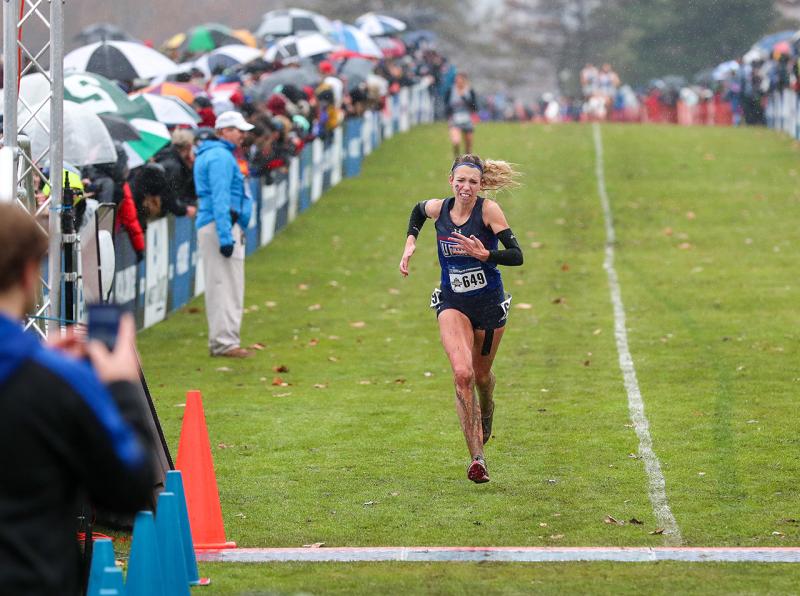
(470, 304)
(460, 105)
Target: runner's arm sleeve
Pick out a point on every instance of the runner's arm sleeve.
(511, 255)
(417, 219)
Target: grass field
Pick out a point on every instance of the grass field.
(363, 447)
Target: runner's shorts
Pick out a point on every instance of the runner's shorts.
(484, 312)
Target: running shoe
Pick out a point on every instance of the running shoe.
(478, 472)
(486, 423)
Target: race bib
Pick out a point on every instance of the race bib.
(467, 280)
(462, 119)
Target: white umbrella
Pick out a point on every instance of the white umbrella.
(169, 110)
(293, 48)
(378, 24)
(86, 139)
(225, 57)
(355, 40)
(119, 60)
(293, 21)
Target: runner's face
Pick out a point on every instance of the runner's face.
(466, 182)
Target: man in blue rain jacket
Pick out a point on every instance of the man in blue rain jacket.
(222, 217)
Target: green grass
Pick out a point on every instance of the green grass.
(364, 448)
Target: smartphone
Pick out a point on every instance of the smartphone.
(104, 323)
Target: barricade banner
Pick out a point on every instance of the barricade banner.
(281, 185)
(294, 187)
(126, 277)
(367, 138)
(404, 118)
(353, 131)
(156, 272)
(387, 125)
(327, 163)
(306, 163)
(317, 173)
(181, 231)
(269, 209)
(336, 156)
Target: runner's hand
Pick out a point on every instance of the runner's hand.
(471, 246)
(411, 246)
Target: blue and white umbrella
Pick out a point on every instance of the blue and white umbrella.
(292, 21)
(226, 57)
(294, 48)
(377, 25)
(353, 39)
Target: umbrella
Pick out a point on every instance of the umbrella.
(377, 24)
(391, 47)
(245, 37)
(185, 91)
(119, 60)
(354, 40)
(86, 139)
(102, 32)
(767, 42)
(293, 21)
(225, 57)
(174, 42)
(725, 69)
(119, 128)
(168, 110)
(299, 77)
(754, 55)
(208, 37)
(418, 38)
(292, 48)
(98, 94)
(154, 136)
(674, 81)
(357, 71)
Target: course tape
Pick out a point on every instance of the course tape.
(657, 489)
(509, 554)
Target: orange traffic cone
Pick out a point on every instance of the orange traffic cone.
(200, 483)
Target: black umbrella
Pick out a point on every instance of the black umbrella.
(120, 129)
(102, 32)
(421, 36)
(299, 77)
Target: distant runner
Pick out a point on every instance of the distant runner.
(470, 304)
(461, 105)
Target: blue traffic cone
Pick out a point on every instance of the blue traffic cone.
(112, 580)
(145, 577)
(170, 544)
(174, 485)
(102, 557)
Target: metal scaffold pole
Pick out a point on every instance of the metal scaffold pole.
(21, 59)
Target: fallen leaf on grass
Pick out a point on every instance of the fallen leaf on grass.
(224, 369)
(559, 300)
(537, 245)
(709, 157)
(333, 359)
(657, 531)
(556, 536)
(365, 382)
(635, 522)
(368, 503)
(667, 231)
(427, 373)
(313, 342)
(399, 381)
(633, 456)
(613, 521)
(222, 446)
(257, 346)
(183, 405)
(302, 287)
(278, 382)
(597, 332)
(288, 393)
(333, 337)
(315, 307)
(394, 291)
(776, 533)
(690, 215)
(684, 246)
(524, 306)
(565, 267)
(270, 304)
(242, 515)
(587, 362)
(281, 368)
(320, 385)
(358, 324)
(542, 525)
(314, 545)
(394, 494)
(193, 310)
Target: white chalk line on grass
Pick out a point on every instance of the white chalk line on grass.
(657, 488)
(503, 554)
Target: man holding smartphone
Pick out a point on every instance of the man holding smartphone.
(71, 426)
(222, 218)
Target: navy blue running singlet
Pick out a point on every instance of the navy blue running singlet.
(463, 275)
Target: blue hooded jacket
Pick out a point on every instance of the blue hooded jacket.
(220, 189)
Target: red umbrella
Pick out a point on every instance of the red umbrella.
(391, 47)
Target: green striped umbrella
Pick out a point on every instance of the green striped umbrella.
(154, 135)
(210, 36)
(99, 94)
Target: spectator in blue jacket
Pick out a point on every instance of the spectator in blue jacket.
(222, 217)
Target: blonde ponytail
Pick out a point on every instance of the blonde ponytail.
(495, 175)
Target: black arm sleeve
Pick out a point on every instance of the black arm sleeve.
(417, 219)
(511, 255)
